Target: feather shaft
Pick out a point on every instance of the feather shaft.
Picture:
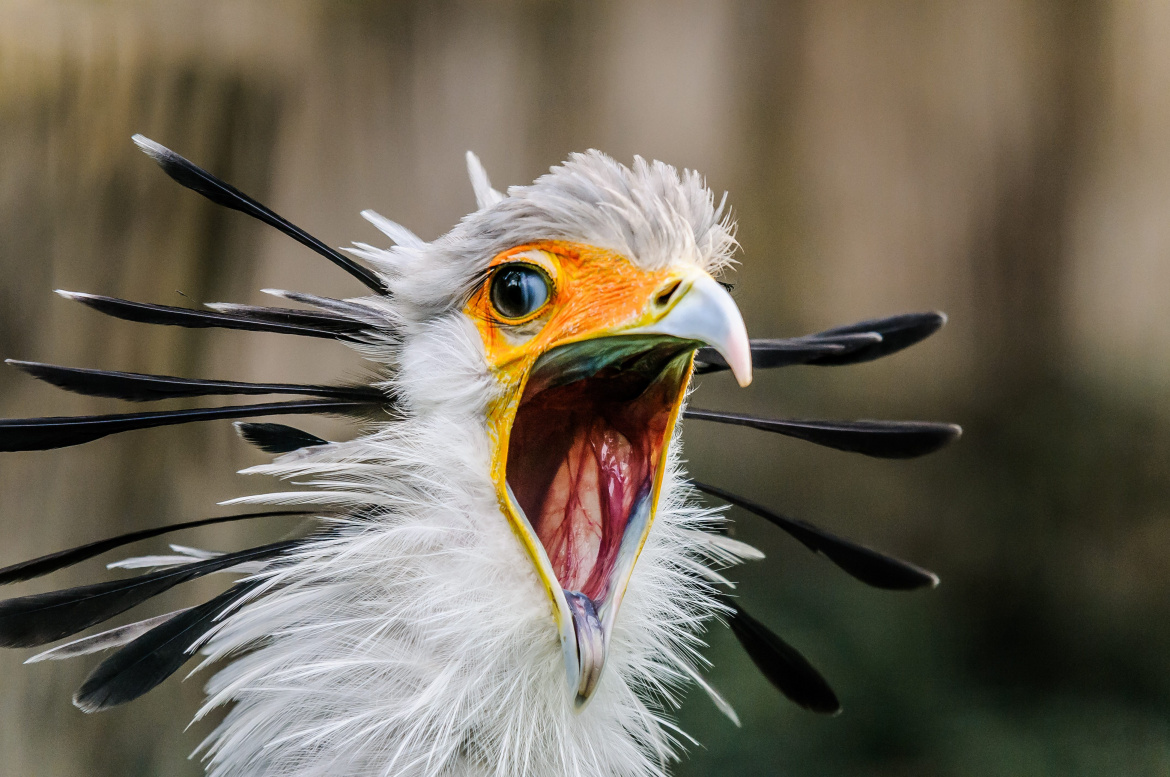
(43, 565)
(199, 180)
(141, 387)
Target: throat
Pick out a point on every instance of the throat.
(584, 458)
(587, 507)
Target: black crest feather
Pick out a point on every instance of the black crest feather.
(312, 319)
(785, 352)
(351, 309)
(199, 180)
(783, 665)
(897, 333)
(850, 344)
(277, 438)
(153, 657)
(34, 620)
(43, 565)
(38, 434)
(139, 387)
(881, 439)
(867, 565)
(166, 315)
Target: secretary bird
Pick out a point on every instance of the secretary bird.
(508, 571)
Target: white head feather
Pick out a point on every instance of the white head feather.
(485, 195)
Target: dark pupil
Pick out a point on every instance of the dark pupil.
(518, 291)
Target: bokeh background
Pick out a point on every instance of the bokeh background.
(1007, 161)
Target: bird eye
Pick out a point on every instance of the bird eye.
(518, 290)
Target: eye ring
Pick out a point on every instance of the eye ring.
(518, 290)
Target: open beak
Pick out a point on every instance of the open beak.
(585, 451)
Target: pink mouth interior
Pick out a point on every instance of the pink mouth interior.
(581, 457)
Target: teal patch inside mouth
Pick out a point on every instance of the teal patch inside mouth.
(633, 356)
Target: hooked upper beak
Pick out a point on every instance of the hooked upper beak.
(703, 311)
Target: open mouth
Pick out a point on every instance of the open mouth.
(584, 467)
(592, 395)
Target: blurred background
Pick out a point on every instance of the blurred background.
(1005, 161)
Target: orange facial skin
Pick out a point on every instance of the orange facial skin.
(594, 293)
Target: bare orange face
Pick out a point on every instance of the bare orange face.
(592, 354)
(592, 291)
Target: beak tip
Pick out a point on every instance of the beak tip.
(743, 373)
(737, 352)
(705, 313)
(729, 335)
